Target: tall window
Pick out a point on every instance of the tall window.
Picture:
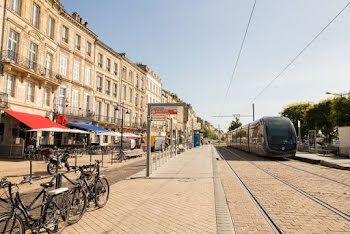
(124, 92)
(77, 41)
(63, 64)
(136, 99)
(108, 64)
(107, 87)
(51, 27)
(99, 84)
(36, 15)
(137, 81)
(10, 85)
(65, 34)
(46, 96)
(76, 70)
(30, 91)
(88, 48)
(141, 84)
(124, 73)
(75, 101)
(130, 76)
(107, 110)
(141, 102)
(48, 65)
(130, 94)
(12, 46)
(33, 49)
(99, 60)
(62, 93)
(115, 69)
(115, 88)
(16, 6)
(98, 110)
(86, 103)
(87, 75)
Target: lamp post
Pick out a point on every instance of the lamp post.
(122, 107)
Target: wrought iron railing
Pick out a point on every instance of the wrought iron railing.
(30, 65)
(74, 111)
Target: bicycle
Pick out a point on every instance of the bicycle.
(86, 190)
(54, 210)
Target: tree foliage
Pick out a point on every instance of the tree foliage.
(209, 133)
(236, 123)
(297, 112)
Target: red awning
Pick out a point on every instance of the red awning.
(34, 121)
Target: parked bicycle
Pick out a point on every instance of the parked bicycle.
(91, 186)
(54, 208)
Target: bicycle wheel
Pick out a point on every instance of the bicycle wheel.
(11, 224)
(51, 168)
(56, 217)
(101, 192)
(78, 203)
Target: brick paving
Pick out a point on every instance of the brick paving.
(291, 211)
(175, 200)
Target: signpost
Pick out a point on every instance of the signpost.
(158, 112)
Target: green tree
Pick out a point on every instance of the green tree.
(295, 112)
(320, 117)
(209, 133)
(236, 123)
(341, 111)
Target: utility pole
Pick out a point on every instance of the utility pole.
(253, 112)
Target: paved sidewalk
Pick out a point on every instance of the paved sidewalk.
(327, 160)
(178, 198)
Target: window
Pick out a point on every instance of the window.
(107, 87)
(106, 110)
(108, 64)
(115, 88)
(51, 27)
(141, 102)
(61, 99)
(36, 15)
(46, 96)
(86, 104)
(33, 49)
(98, 110)
(30, 91)
(115, 69)
(136, 99)
(63, 65)
(48, 65)
(130, 95)
(65, 34)
(77, 42)
(141, 84)
(12, 46)
(10, 85)
(124, 73)
(75, 101)
(99, 60)
(88, 48)
(99, 84)
(76, 70)
(130, 76)
(16, 6)
(124, 92)
(87, 75)
(137, 81)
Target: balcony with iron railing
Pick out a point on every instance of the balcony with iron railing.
(74, 111)
(13, 61)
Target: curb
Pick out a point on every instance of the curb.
(321, 162)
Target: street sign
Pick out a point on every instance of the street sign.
(163, 110)
(158, 117)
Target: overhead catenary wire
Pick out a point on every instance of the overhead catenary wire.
(240, 52)
(301, 52)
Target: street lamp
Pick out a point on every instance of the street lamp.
(122, 107)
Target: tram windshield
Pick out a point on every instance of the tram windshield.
(280, 131)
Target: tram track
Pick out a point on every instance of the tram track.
(300, 191)
(256, 202)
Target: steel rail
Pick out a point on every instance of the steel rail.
(261, 209)
(316, 200)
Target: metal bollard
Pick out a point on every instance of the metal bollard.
(90, 155)
(155, 164)
(58, 181)
(75, 163)
(112, 157)
(30, 166)
(102, 157)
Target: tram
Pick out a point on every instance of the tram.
(268, 136)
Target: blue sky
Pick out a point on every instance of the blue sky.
(193, 44)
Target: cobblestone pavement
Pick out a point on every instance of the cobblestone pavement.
(290, 210)
(175, 202)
